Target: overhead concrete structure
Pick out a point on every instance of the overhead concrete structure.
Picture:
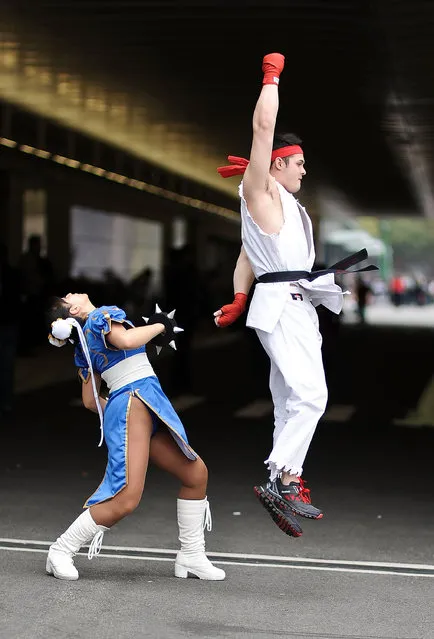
(176, 84)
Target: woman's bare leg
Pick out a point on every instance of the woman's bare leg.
(140, 426)
(192, 507)
(193, 475)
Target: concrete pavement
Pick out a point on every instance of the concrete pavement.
(373, 479)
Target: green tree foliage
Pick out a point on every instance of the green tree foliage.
(412, 239)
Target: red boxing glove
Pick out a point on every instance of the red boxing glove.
(272, 66)
(231, 312)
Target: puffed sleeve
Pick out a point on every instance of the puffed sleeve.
(102, 322)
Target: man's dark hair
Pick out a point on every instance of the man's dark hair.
(285, 139)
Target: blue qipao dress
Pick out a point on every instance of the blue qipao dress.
(140, 381)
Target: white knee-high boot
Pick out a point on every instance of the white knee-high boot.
(59, 561)
(193, 516)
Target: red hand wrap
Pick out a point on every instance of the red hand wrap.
(231, 312)
(272, 66)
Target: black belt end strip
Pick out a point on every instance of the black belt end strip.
(339, 268)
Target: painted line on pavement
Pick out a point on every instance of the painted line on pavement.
(241, 559)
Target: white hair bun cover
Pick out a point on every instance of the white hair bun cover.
(61, 331)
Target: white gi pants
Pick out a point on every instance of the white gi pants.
(297, 383)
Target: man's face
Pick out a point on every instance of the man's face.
(290, 175)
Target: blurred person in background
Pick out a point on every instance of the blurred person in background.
(141, 293)
(37, 281)
(10, 310)
(397, 290)
(363, 291)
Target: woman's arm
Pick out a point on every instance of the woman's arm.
(124, 340)
(88, 396)
(134, 337)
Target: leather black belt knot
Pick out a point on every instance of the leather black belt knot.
(339, 268)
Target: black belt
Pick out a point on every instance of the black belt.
(340, 267)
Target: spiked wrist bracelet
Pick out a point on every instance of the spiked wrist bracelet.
(171, 328)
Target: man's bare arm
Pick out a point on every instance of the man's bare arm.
(243, 280)
(243, 274)
(257, 176)
(259, 189)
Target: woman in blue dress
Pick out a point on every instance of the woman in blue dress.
(138, 424)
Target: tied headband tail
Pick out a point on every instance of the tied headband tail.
(238, 165)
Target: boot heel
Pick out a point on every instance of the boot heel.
(181, 571)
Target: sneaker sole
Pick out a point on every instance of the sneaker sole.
(284, 504)
(281, 521)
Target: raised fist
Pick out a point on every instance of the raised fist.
(272, 66)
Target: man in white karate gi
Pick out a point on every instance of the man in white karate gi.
(278, 251)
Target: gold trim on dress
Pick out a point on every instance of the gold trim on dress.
(137, 394)
(86, 503)
(109, 321)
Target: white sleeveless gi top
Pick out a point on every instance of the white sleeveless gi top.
(292, 249)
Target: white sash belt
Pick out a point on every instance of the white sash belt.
(127, 371)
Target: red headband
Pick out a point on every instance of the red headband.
(238, 165)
